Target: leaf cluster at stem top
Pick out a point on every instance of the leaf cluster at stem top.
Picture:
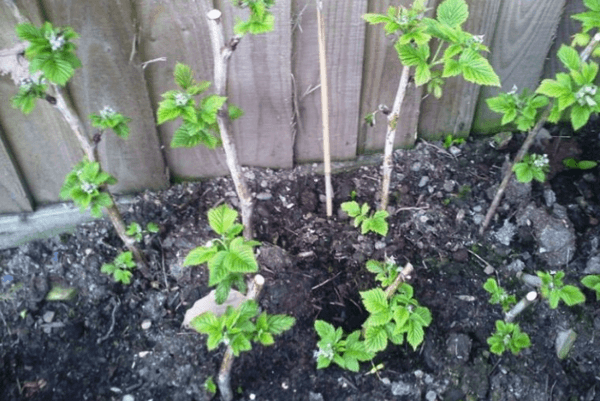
(30, 89)
(508, 336)
(107, 118)
(522, 109)
(375, 222)
(554, 290)
(261, 20)
(120, 268)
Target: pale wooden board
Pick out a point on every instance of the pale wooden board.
(178, 31)
(523, 36)
(14, 197)
(259, 82)
(453, 112)
(345, 38)
(108, 78)
(40, 143)
(381, 74)
(564, 33)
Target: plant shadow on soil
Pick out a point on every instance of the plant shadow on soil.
(94, 347)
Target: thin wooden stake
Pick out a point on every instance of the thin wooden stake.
(324, 107)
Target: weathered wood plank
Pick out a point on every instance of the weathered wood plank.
(564, 33)
(178, 31)
(345, 36)
(259, 82)
(40, 143)
(112, 77)
(381, 74)
(14, 197)
(453, 112)
(523, 36)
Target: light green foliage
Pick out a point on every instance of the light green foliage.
(386, 272)
(261, 20)
(533, 166)
(137, 232)
(451, 140)
(370, 119)
(199, 119)
(120, 268)
(229, 257)
(589, 20)
(59, 293)
(575, 90)
(84, 185)
(522, 109)
(462, 50)
(50, 51)
(241, 326)
(593, 283)
(107, 118)
(554, 290)
(210, 386)
(392, 319)
(498, 295)
(580, 165)
(375, 222)
(30, 89)
(508, 336)
(335, 346)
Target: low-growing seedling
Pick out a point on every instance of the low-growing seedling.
(136, 231)
(579, 165)
(210, 386)
(498, 295)
(261, 20)
(520, 109)
(241, 326)
(593, 283)
(84, 185)
(228, 258)
(333, 347)
(554, 290)
(532, 167)
(508, 336)
(451, 140)
(120, 268)
(374, 222)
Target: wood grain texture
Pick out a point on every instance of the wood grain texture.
(453, 112)
(523, 36)
(40, 143)
(259, 82)
(567, 27)
(108, 78)
(178, 31)
(381, 74)
(345, 36)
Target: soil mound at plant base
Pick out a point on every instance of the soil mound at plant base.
(95, 346)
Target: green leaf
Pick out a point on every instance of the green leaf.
(451, 68)
(217, 269)
(376, 18)
(509, 116)
(589, 72)
(571, 295)
(235, 112)
(586, 164)
(167, 111)
(375, 300)
(28, 32)
(592, 282)
(415, 334)
(199, 255)
(569, 57)
(453, 12)
(375, 338)
(422, 74)
(410, 55)
(222, 218)
(499, 104)
(593, 5)
(184, 77)
(325, 330)
(240, 257)
(352, 208)
(279, 323)
(579, 116)
(108, 268)
(477, 69)
(552, 88)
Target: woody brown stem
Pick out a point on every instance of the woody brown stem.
(402, 277)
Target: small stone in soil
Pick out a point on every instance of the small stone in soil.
(48, 316)
(146, 324)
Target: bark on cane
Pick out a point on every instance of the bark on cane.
(222, 53)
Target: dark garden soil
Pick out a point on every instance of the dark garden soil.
(96, 347)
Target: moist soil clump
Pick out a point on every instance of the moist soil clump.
(111, 341)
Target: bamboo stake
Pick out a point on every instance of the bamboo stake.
(224, 377)
(222, 53)
(324, 106)
(585, 54)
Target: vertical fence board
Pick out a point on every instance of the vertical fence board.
(14, 197)
(381, 75)
(453, 112)
(259, 82)
(40, 143)
(178, 31)
(112, 77)
(345, 36)
(522, 38)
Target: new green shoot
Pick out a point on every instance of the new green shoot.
(533, 166)
(107, 118)
(593, 283)
(508, 336)
(374, 222)
(554, 290)
(136, 231)
(335, 346)
(498, 295)
(120, 268)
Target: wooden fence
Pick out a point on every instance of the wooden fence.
(273, 77)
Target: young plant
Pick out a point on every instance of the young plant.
(30, 90)
(392, 319)
(136, 231)
(461, 55)
(210, 386)
(593, 283)
(532, 167)
(450, 140)
(498, 295)
(261, 20)
(579, 165)
(554, 290)
(508, 336)
(108, 118)
(241, 326)
(120, 268)
(374, 222)
(333, 347)
(228, 258)
(386, 272)
(522, 109)
(85, 185)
